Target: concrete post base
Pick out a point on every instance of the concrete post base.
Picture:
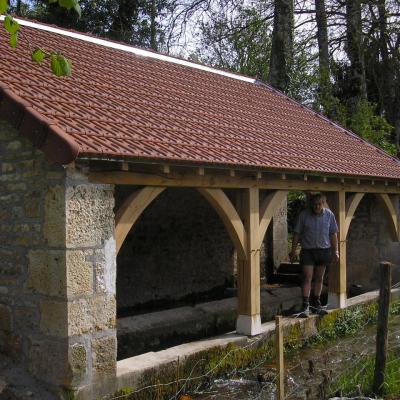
(248, 325)
(336, 300)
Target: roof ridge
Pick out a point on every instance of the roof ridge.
(130, 49)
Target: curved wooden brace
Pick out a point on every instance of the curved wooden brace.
(351, 206)
(391, 212)
(230, 217)
(131, 210)
(267, 210)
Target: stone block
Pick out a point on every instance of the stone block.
(26, 318)
(32, 204)
(79, 317)
(7, 167)
(104, 313)
(78, 364)
(90, 217)
(46, 273)
(104, 356)
(91, 315)
(48, 361)
(105, 268)
(79, 273)
(5, 318)
(54, 318)
(54, 222)
(14, 145)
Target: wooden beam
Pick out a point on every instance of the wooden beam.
(130, 211)
(351, 205)
(267, 211)
(249, 320)
(391, 210)
(337, 291)
(231, 219)
(234, 182)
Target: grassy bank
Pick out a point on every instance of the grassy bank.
(360, 380)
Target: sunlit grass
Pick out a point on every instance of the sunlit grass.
(359, 380)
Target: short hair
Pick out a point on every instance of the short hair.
(316, 197)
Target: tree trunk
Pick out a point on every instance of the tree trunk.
(282, 45)
(325, 92)
(124, 20)
(153, 25)
(18, 8)
(389, 78)
(357, 83)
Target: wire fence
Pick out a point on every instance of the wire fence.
(325, 371)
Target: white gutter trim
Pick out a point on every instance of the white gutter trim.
(130, 49)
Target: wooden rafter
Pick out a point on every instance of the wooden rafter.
(351, 206)
(267, 211)
(230, 217)
(391, 211)
(131, 210)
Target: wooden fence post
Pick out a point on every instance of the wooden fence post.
(382, 328)
(280, 385)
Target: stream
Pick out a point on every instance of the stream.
(308, 370)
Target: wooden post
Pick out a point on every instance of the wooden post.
(337, 273)
(249, 320)
(382, 329)
(280, 383)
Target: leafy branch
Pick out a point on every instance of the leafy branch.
(59, 64)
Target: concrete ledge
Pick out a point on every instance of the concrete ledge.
(130, 372)
(163, 329)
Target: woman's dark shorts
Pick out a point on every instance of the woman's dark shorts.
(315, 257)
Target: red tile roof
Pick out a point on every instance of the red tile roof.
(125, 106)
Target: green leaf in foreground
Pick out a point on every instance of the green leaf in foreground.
(38, 55)
(68, 4)
(60, 65)
(3, 6)
(12, 26)
(52, 1)
(14, 40)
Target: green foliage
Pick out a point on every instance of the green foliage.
(70, 4)
(395, 308)
(60, 65)
(14, 40)
(12, 26)
(372, 127)
(362, 376)
(241, 44)
(3, 6)
(38, 55)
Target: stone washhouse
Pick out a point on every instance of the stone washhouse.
(83, 157)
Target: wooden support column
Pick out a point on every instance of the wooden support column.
(337, 291)
(249, 320)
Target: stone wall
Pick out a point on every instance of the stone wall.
(369, 242)
(274, 249)
(57, 268)
(178, 248)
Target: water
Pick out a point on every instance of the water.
(308, 371)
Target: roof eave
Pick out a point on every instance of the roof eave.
(44, 135)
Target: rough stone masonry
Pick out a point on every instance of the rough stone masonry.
(57, 268)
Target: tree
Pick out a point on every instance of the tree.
(59, 64)
(282, 45)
